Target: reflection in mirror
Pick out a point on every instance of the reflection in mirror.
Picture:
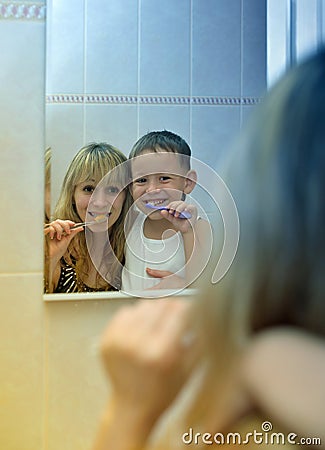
(166, 229)
(70, 267)
(85, 253)
(194, 68)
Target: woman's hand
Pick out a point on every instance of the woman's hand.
(59, 235)
(58, 228)
(148, 360)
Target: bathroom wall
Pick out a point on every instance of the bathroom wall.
(191, 66)
(22, 28)
(295, 28)
(51, 384)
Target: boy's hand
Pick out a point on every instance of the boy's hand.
(173, 213)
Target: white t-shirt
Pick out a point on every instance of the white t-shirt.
(142, 252)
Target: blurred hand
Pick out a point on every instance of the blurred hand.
(146, 357)
(59, 235)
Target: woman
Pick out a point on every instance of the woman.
(71, 265)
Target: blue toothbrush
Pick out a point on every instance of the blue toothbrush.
(183, 215)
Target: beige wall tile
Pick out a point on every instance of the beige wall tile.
(22, 145)
(21, 353)
(77, 389)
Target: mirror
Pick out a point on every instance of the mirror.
(116, 70)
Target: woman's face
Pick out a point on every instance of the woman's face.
(105, 206)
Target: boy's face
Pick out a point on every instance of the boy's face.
(158, 179)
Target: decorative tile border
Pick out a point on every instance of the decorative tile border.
(22, 11)
(147, 100)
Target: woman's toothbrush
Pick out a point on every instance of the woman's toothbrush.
(183, 214)
(99, 219)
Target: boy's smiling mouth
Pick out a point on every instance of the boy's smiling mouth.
(156, 202)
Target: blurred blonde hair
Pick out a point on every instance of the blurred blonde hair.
(276, 173)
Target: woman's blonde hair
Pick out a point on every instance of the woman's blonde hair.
(47, 182)
(276, 174)
(93, 161)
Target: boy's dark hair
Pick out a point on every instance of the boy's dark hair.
(155, 141)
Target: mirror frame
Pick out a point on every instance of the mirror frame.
(155, 100)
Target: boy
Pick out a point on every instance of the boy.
(166, 236)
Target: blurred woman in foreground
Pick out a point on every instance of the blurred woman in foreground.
(253, 344)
